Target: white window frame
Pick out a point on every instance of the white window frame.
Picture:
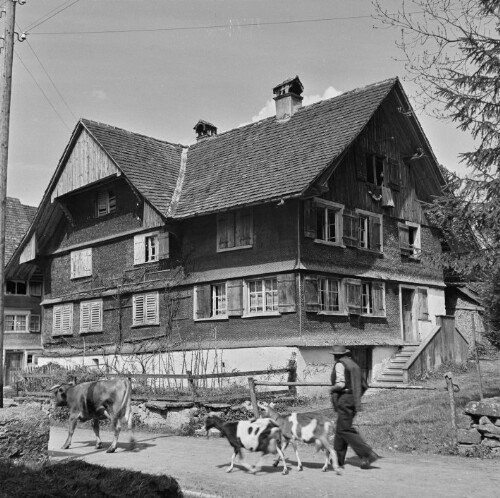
(324, 284)
(219, 302)
(140, 304)
(330, 208)
(105, 203)
(365, 215)
(147, 247)
(17, 314)
(38, 324)
(81, 263)
(417, 245)
(16, 293)
(248, 293)
(62, 319)
(366, 298)
(91, 316)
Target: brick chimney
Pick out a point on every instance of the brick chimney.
(288, 99)
(204, 129)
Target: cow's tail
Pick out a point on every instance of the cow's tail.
(126, 409)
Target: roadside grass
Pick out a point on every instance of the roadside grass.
(420, 421)
(78, 478)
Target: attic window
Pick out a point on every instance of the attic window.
(374, 169)
(105, 203)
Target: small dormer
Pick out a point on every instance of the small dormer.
(288, 99)
(204, 129)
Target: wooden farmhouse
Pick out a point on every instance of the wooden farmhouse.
(22, 295)
(271, 241)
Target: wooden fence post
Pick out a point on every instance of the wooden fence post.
(253, 396)
(191, 383)
(453, 408)
(292, 376)
(476, 356)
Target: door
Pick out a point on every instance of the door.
(363, 357)
(409, 329)
(13, 363)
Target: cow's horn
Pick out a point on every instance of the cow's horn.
(53, 388)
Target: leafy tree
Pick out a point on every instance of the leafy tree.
(452, 52)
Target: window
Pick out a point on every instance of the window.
(35, 323)
(323, 221)
(105, 203)
(81, 263)
(370, 231)
(366, 298)
(145, 309)
(17, 287)
(234, 230)
(62, 320)
(262, 296)
(36, 288)
(91, 316)
(210, 301)
(329, 294)
(149, 247)
(409, 239)
(374, 169)
(16, 322)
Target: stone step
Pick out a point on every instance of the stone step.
(394, 370)
(390, 379)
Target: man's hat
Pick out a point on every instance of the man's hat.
(338, 350)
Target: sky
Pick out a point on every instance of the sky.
(156, 67)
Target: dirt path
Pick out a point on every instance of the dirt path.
(199, 465)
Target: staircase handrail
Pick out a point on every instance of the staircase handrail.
(411, 360)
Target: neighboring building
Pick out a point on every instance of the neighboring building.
(281, 237)
(22, 321)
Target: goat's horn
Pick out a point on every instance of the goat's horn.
(53, 388)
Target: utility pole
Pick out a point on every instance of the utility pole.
(6, 91)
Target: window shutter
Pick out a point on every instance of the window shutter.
(96, 316)
(243, 230)
(151, 308)
(404, 239)
(353, 296)
(74, 264)
(111, 201)
(375, 229)
(163, 245)
(311, 293)
(67, 319)
(56, 320)
(35, 323)
(235, 297)
(361, 165)
(102, 203)
(350, 223)
(310, 219)
(423, 311)
(138, 310)
(394, 172)
(378, 298)
(203, 301)
(84, 317)
(87, 262)
(286, 293)
(223, 231)
(139, 249)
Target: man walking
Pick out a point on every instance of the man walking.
(348, 386)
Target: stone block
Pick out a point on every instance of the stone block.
(490, 443)
(489, 430)
(469, 436)
(24, 434)
(489, 407)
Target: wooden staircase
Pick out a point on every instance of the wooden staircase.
(393, 372)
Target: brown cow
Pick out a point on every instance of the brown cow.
(99, 400)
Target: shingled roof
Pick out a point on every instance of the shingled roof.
(251, 164)
(151, 165)
(18, 219)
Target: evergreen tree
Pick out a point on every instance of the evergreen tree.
(452, 53)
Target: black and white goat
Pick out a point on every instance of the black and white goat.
(262, 434)
(309, 427)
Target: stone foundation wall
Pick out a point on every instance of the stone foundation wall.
(483, 435)
(24, 434)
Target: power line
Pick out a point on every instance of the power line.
(52, 81)
(47, 16)
(44, 94)
(213, 26)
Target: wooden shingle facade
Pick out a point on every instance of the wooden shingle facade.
(294, 233)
